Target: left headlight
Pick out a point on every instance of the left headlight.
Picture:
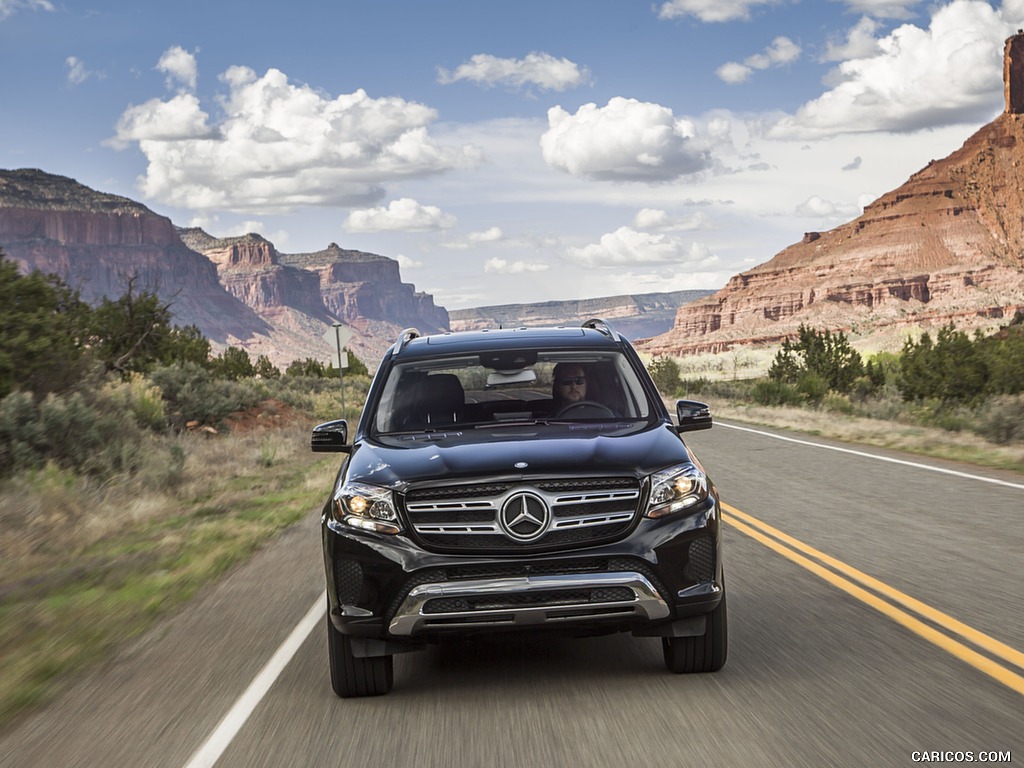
(675, 489)
(368, 507)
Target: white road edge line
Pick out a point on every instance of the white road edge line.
(943, 470)
(208, 754)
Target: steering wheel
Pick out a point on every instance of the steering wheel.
(583, 409)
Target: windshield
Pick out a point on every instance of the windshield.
(510, 387)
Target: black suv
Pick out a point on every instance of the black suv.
(518, 480)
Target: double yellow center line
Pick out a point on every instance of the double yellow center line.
(896, 605)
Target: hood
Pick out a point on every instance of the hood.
(492, 456)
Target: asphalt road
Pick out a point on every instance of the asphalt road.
(875, 607)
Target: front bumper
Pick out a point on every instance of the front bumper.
(389, 588)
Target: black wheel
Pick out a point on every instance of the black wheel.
(705, 653)
(351, 676)
(585, 409)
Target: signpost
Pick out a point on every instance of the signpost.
(339, 335)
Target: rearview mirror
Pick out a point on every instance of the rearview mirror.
(692, 416)
(330, 437)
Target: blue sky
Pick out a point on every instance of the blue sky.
(503, 152)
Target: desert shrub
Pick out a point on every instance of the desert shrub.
(20, 433)
(191, 393)
(812, 387)
(233, 363)
(951, 369)
(265, 369)
(93, 435)
(827, 356)
(776, 393)
(665, 373)
(1001, 419)
(837, 403)
(141, 398)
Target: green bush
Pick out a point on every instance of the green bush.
(665, 373)
(191, 393)
(1001, 419)
(93, 435)
(776, 393)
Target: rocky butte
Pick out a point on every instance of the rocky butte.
(948, 245)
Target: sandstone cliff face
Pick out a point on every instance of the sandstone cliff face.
(238, 291)
(96, 243)
(306, 292)
(358, 286)
(948, 245)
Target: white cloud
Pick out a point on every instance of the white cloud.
(656, 219)
(77, 73)
(180, 67)
(406, 262)
(538, 69)
(920, 78)
(281, 146)
(733, 72)
(782, 51)
(628, 247)
(818, 208)
(854, 164)
(627, 140)
(8, 7)
(403, 215)
(883, 9)
(860, 42)
(179, 119)
(710, 10)
(504, 267)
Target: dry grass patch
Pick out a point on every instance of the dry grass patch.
(85, 566)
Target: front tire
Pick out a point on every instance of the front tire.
(352, 676)
(705, 653)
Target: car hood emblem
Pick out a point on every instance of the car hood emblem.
(524, 517)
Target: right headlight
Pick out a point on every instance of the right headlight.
(366, 506)
(675, 489)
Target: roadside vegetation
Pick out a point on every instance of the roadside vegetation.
(135, 467)
(953, 396)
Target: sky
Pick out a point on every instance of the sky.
(503, 152)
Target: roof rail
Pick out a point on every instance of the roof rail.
(405, 337)
(602, 326)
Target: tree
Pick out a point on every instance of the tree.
(187, 345)
(132, 333)
(233, 363)
(307, 367)
(266, 369)
(665, 374)
(42, 332)
(952, 369)
(829, 357)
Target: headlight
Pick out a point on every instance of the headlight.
(675, 489)
(367, 507)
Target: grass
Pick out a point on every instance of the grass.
(84, 568)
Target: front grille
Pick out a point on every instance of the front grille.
(572, 513)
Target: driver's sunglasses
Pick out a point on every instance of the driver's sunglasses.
(579, 381)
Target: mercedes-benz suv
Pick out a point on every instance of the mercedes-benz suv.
(518, 480)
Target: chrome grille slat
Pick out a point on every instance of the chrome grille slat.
(467, 517)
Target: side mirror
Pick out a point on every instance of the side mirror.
(330, 437)
(692, 416)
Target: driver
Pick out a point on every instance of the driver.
(570, 385)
